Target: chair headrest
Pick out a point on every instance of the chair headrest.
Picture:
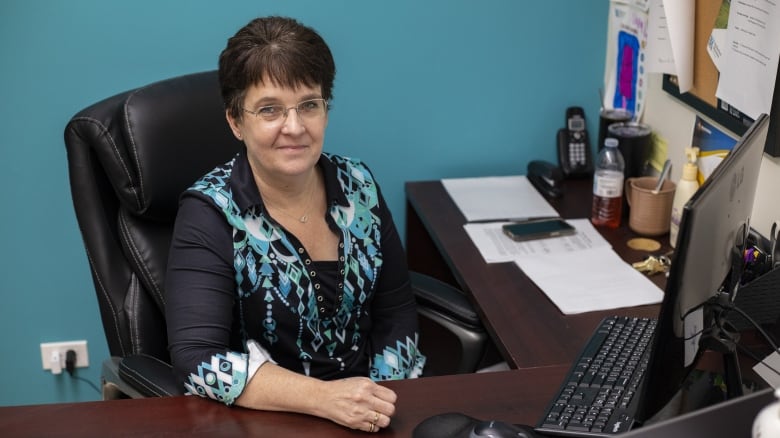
(155, 141)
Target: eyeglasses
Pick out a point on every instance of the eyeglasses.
(308, 110)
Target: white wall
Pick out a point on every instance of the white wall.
(673, 120)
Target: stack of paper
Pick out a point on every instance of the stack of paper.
(579, 273)
(497, 198)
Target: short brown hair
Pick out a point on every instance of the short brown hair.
(281, 49)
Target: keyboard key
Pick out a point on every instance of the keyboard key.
(574, 378)
(620, 424)
(578, 427)
(554, 426)
(598, 381)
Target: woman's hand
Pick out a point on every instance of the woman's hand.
(355, 402)
(358, 403)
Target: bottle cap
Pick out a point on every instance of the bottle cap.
(610, 142)
(690, 169)
(690, 172)
(692, 154)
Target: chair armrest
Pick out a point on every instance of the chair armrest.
(452, 335)
(449, 302)
(149, 375)
(111, 385)
(138, 376)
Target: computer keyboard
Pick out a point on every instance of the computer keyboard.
(597, 396)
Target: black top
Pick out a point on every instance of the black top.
(237, 278)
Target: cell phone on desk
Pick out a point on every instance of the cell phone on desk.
(539, 229)
(574, 155)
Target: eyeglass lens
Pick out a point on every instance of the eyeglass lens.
(307, 109)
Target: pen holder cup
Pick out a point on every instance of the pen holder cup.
(649, 213)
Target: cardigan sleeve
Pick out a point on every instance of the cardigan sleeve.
(394, 332)
(200, 294)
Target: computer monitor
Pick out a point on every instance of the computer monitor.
(713, 222)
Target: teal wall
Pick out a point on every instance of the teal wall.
(424, 90)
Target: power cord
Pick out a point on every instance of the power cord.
(769, 339)
(756, 325)
(70, 366)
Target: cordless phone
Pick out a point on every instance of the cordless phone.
(574, 155)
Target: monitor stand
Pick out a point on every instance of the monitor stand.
(723, 338)
(696, 391)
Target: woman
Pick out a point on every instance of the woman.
(287, 287)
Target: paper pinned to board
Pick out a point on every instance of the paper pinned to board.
(670, 37)
(660, 58)
(750, 57)
(680, 22)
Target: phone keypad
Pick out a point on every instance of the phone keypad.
(577, 154)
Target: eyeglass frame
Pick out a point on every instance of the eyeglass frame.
(286, 110)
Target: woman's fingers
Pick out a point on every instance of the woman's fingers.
(362, 404)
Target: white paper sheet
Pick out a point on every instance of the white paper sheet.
(715, 47)
(660, 58)
(750, 57)
(497, 198)
(680, 22)
(496, 247)
(589, 280)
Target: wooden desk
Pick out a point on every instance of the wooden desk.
(527, 328)
(517, 396)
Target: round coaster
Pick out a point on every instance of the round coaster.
(643, 244)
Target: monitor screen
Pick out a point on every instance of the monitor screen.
(711, 224)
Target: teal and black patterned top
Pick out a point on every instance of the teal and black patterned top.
(241, 290)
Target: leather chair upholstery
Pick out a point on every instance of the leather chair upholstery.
(129, 158)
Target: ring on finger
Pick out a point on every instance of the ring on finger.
(376, 417)
(371, 427)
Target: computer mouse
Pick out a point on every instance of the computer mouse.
(500, 429)
(459, 425)
(445, 425)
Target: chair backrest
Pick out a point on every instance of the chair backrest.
(129, 158)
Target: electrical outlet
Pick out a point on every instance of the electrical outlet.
(53, 355)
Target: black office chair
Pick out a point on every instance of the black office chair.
(129, 158)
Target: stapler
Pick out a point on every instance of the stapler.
(546, 177)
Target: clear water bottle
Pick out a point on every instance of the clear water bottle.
(608, 186)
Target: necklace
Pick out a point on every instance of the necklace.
(302, 218)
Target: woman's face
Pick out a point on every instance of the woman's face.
(289, 145)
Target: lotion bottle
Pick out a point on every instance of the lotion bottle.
(685, 189)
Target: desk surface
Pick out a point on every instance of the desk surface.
(516, 396)
(525, 325)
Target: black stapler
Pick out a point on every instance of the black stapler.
(546, 177)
